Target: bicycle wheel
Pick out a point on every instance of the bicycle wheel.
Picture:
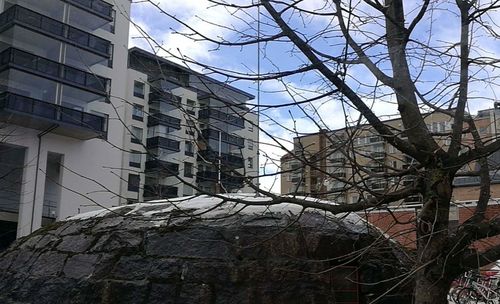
(467, 296)
(452, 294)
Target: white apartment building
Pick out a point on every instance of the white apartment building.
(82, 129)
(63, 109)
(201, 136)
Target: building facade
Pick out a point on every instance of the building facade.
(348, 164)
(82, 129)
(198, 134)
(62, 98)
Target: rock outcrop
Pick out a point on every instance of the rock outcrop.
(195, 251)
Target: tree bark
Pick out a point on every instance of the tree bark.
(427, 291)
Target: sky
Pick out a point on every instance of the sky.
(164, 19)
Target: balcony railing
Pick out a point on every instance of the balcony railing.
(162, 142)
(98, 7)
(56, 29)
(225, 137)
(165, 120)
(27, 62)
(160, 191)
(226, 159)
(39, 114)
(227, 180)
(377, 155)
(338, 160)
(157, 95)
(225, 117)
(164, 167)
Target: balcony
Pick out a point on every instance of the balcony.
(18, 15)
(337, 160)
(157, 95)
(36, 65)
(377, 155)
(224, 117)
(40, 115)
(159, 191)
(164, 120)
(165, 168)
(378, 186)
(226, 159)
(227, 180)
(97, 7)
(162, 142)
(225, 137)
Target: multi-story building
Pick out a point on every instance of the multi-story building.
(82, 129)
(348, 164)
(199, 134)
(345, 164)
(62, 99)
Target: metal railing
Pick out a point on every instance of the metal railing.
(46, 25)
(58, 113)
(38, 65)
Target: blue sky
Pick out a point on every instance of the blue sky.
(440, 28)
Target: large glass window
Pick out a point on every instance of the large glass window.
(138, 89)
(134, 181)
(189, 148)
(135, 158)
(188, 169)
(136, 135)
(138, 112)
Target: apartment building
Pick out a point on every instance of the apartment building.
(322, 164)
(62, 103)
(198, 134)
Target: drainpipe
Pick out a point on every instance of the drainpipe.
(39, 135)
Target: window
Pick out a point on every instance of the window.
(138, 89)
(133, 182)
(190, 107)
(189, 148)
(191, 127)
(188, 169)
(135, 158)
(250, 127)
(250, 144)
(138, 112)
(250, 162)
(136, 135)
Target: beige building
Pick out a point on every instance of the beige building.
(346, 164)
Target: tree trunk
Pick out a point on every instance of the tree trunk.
(429, 292)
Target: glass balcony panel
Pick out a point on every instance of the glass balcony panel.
(86, 20)
(78, 36)
(53, 27)
(29, 85)
(48, 26)
(37, 114)
(78, 99)
(21, 38)
(71, 116)
(102, 7)
(50, 8)
(25, 60)
(99, 44)
(45, 110)
(48, 67)
(96, 82)
(82, 59)
(74, 75)
(30, 17)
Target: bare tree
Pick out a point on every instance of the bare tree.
(362, 55)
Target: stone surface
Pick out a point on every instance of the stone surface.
(265, 258)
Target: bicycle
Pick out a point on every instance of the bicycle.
(473, 288)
